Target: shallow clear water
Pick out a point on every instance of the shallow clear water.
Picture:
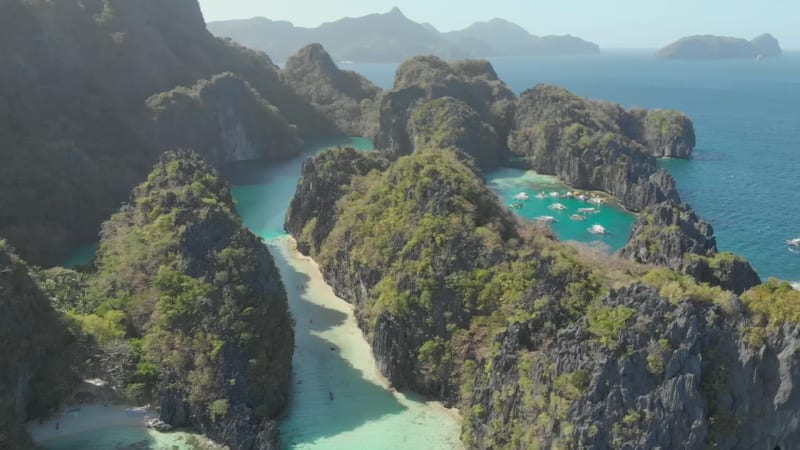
(99, 427)
(509, 182)
(110, 438)
(744, 176)
(339, 399)
(82, 256)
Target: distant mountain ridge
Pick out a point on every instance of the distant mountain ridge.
(392, 37)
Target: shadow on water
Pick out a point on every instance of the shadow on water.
(330, 395)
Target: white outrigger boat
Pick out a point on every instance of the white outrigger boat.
(555, 194)
(598, 229)
(588, 211)
(597, 201)
(558, 206)
(548, 219)
(577, 217)
(793, 243)
(521, 196)
(541, 196)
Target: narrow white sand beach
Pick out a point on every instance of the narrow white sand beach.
(340, 400)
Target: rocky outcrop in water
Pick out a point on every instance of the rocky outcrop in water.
(671, 234)
(346, 97)
(596, 145)
(85, 69)
(224, 119)
(38, 351)
(204, 297)
(721, 47)
(473, 83)
(767, 45)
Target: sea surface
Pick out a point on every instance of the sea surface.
(745, 175)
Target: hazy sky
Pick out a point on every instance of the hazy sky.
(610, 23)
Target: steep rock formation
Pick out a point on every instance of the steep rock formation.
(425, 78)
(404, 247)
(205, 296)
(665, 133)
(224, 119)
(325, 178)
(449, 123)
(539, 344)
(74, 126)
(688, 378)
(671, 234)
(593, 145)
(37, 350)
(346, 97)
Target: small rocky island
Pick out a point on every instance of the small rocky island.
(722, 47)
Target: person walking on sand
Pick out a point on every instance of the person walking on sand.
(58, 425)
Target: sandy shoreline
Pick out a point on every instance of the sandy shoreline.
(329, 342)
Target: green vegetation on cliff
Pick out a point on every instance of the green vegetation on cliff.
(39, 351)
(76, 134)
(187, 306)
(539, 343)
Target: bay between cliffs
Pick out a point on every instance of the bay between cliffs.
(339, 399)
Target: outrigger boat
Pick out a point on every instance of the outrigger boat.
(598, 229)
(597, 201)
(548, 219)
(521, 196)
(793, 243)
(558, 207)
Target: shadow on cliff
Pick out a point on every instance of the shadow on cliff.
(329, 396)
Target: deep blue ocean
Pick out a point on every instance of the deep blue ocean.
(745, 175)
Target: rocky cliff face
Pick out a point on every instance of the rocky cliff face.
(450, 123)
(206, 298)
(591, 145)
(312, 212)
(75, 131)
(671, 234)
(37, 349)
(676, 376)
(347, 98)
(539, 344)
(664, 133)
(421, 79)
(224, 119)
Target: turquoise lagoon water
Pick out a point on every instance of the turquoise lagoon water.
(82, 256)
(745, 174)
(331, 355)
(339, 399)
(116, 437)
(509, 182)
